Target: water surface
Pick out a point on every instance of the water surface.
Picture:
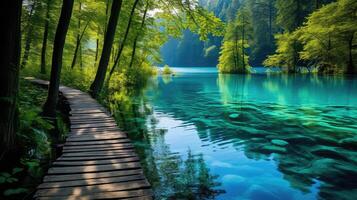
(207, 136)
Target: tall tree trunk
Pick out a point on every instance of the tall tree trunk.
(97, 48)
(137, 35)
(107, 47)
(49, 109)
(78, 43)
(10, 42)
(243, 38)
(78, 46)
(28, 39)
(124, 39)
(350, 66)
(44, 41)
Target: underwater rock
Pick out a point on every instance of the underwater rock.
(328, 152)
(298, 139)
(273, 149)
(234, 116)
(350, 143)
(279, 142)
(256, 192)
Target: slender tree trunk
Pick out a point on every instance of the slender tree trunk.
(243, 37)
(271, 37)
(78, 42)
(350, 67)
(96, 52)
(78, 46)
(10, 42)
(44, 41)
(97, 48)
(49, 109)
(137, 36)
(107, 47)
(121, 47)
(28, 39)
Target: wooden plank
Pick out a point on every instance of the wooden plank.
(96, 162)
(93, 168)
(92, 130)
(116, 141)
(113, 191)
(71, 177)
(89, 138)
(89, 158)
(101, 120)
(98, 149)
(88, 182)
(100, 153)
(93, 125)
(98, 146)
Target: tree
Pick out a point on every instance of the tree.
(49, 109)
(262, 17)
(329, 37)
(131, 16)
(137, 35)
(233, 57)
(45, 36)
(107, 48)
(29, 35)
(10, 42)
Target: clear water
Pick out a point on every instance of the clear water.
(207, 136)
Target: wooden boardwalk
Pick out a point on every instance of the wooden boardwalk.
(98, 160)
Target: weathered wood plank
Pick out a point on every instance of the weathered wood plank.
(95, 162)
(97, 149)
(100, 142)
(105, 191)
(88, 182)
(94, 168)
(93, 125)
(89, 158)
(101, 153)
(84, 176)
(95, 146)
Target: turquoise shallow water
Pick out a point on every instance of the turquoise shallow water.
(207, 136)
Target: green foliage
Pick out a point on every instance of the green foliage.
(326, 42)
(167, 70)
(329, 36)
(285, 56)
(33, 129)
(233, 57)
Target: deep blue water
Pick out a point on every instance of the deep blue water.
(202, 135)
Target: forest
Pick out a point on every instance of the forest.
(114, 51)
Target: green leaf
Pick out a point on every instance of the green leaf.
(10, 192)
(17, 170)
(2, 179)
(5, 174)
(11, 180)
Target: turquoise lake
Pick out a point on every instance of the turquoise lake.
(203, 135)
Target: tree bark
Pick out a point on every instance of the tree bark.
(28, 39)
(137, 35)
(125, 38)
(78, 43)
(44, 41)
(350, 66)
(49, 109)
(10, 42)
(107, 47)
(78, 46)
